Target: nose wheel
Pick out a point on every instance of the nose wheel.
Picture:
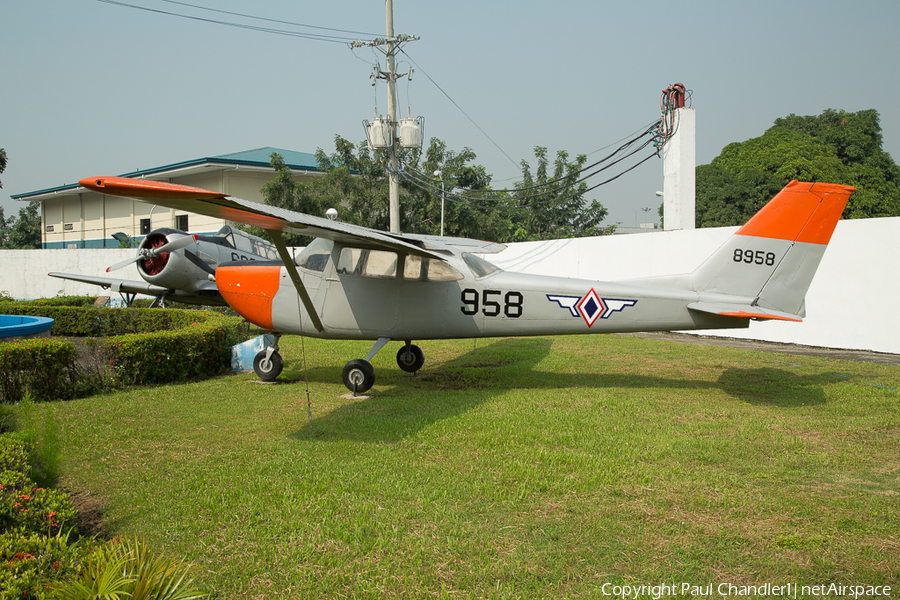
(267, 367)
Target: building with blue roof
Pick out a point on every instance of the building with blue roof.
(75, 217)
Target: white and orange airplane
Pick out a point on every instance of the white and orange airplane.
(358, 283)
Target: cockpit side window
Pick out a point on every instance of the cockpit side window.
(480, 267)
(417, 268)
(368, 263)
(315, 256)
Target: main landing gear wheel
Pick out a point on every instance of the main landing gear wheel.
(410, 358)
(358, 376)
(268, 370)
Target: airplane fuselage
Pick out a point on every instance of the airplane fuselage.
(396, 302)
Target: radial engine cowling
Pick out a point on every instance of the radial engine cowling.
(168, 269)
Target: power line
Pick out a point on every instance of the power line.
(623, 148)
(422, 181)
(460, 108)
(285, 32)
(236, 14)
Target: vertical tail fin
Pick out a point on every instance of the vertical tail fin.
(770, 261)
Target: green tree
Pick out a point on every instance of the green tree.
(2, 163)
(481, 216)
(22, 233)
(553, 205)
(835, 147)
(284, 192)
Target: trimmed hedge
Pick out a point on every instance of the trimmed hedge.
(125, 346)
(200, 348)
(43, 366)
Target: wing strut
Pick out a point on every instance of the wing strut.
(288, 261)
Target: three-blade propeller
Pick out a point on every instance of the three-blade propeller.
(147, 253)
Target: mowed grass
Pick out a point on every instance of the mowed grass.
(509, 468)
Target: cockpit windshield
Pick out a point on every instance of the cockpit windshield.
(480, 267)
(315, 256)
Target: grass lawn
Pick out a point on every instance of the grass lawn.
(510, 468)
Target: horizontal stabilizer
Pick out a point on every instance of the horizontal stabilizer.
(743, 311)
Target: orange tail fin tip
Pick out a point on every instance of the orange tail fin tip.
(787, 216)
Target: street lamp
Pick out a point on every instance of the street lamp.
(440, 175)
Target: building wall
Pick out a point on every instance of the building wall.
(87, 219)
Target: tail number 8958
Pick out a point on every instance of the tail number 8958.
(757, 257)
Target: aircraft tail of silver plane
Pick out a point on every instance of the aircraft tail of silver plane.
(764, 270)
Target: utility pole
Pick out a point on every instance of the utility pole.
(392, 46)
(393, 170)
(679, 161)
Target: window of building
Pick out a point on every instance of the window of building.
(145, 226)
(181, 222)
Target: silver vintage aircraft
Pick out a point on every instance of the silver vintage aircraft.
(358, 283)
(180, 266)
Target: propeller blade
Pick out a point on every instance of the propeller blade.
(154, 252)
(124, 263)
(176, 245)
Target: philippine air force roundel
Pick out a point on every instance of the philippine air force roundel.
(591, 307)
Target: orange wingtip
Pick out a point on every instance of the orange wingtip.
(759, 316)
(802, 212)
(144, 188)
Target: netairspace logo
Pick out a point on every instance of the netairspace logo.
(729, 590)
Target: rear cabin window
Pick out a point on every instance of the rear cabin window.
(417, 268)
(368, 263)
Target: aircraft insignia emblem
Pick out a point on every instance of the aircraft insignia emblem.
(591, 307)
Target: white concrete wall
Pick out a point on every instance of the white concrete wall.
(851, 303)
(24, 272)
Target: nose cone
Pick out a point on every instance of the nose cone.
(249, 290)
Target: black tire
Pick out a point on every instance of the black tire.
(410, 358)
(268, 370)
(358, 376)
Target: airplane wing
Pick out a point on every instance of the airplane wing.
(206, 292)
(270, 218)
(116, 285)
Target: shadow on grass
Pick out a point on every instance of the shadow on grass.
(775, 387)
(402, 406)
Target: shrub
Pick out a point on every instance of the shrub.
(23, 505)
(126, 568)
(31, 563)
(126, 347)
(33, 548)
(13, 454)
(42, 366)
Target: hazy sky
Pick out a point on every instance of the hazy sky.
(91, 88)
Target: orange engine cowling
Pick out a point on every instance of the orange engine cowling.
(249, 290)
